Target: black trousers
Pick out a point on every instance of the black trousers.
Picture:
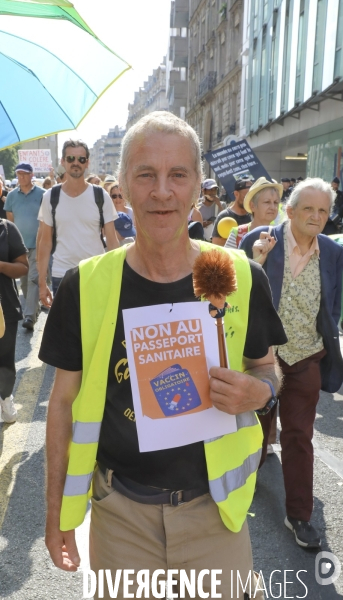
(7, 359)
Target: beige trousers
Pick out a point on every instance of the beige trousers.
(128, 535)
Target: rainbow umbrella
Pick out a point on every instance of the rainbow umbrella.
(53, 69)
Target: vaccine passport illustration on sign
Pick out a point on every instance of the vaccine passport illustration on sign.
(175, 391)
(171, 368)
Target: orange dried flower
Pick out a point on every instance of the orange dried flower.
(214, 274)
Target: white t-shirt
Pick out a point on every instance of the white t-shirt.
(77, 227)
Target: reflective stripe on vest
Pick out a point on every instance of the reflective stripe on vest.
(77, 485)
(86, 433)
(232, 480)
(247, 419)
(231, 459)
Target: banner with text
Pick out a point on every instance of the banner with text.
(233, 162)
(170, 349)
(39, 159)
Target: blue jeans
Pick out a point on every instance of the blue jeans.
(55, 283)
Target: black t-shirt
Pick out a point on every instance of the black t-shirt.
(11, 246)
(174, 468)
(2, 203)
(240, 219)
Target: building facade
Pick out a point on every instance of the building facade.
(104, 156)
(292, 85)
(97, 165)
(214, 82)
(152, 96)
(177, 64)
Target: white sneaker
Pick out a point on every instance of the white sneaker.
(270, 449)
(8, 410)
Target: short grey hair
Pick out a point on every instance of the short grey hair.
(315, 183)
(256, 197)
(159, 121)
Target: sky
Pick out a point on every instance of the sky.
(138, 31)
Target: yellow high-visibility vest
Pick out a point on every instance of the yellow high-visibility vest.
(232, 459)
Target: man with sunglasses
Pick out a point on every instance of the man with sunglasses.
(77, 221)
(22, 206)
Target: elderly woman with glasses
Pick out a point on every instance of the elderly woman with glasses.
(119, 202)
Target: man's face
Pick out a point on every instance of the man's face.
(210, 194)
(308, 218)
(75, 169)
(285, 185)
(240, 195)
(24, 179)
(267, 206)
(161, 183)
(334, 186)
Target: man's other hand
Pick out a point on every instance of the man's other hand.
(62, 548)
(45, 295)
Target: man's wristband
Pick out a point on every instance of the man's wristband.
(271, 403)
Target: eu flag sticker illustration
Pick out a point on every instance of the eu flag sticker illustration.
(175, 391)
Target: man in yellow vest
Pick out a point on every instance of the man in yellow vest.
(185, 507)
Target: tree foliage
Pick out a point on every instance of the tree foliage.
(9, 160)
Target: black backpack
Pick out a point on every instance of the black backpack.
(54, 200)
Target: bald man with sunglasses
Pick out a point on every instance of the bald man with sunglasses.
(77, 217)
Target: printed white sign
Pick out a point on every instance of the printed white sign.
(170, 349)
(39, 159)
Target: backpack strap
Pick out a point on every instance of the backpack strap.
(54, 200)
(99, 201)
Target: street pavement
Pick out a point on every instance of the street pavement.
(26, 571)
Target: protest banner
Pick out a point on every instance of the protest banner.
(170, 349)
(39, 159)
(233, 162)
